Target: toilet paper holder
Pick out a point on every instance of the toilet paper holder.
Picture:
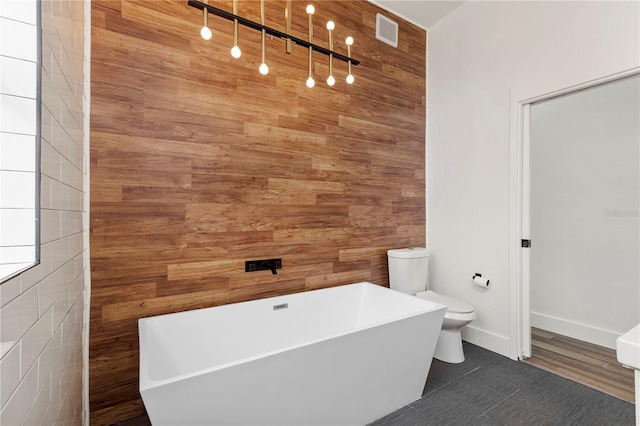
(478, 280)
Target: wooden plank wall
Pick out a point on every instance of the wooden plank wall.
(199, 163)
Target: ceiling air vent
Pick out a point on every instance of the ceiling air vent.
(386, 30)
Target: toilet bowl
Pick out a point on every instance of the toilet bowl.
(408, 273)
(459, 313)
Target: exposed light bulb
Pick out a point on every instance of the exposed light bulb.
(236, 52)
(350, 79)
(311, 10)
(206, 33)
(331, 26)
(331, 81)
(349, 41)
(310, 82)
(264, 69)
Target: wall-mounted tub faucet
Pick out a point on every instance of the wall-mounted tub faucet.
(263, 265)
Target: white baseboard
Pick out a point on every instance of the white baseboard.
(487, 340)
(576, 330)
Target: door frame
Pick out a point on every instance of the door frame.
(519, 209)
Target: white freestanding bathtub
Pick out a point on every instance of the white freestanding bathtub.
(345, 355)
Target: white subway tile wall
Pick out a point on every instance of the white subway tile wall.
(17, 77)
(18, 114)
(42, 310)
(18, 151)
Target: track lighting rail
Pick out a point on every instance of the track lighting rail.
(271, 31)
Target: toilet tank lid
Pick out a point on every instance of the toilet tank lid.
(408, 253)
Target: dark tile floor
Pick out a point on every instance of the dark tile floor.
(489, 389)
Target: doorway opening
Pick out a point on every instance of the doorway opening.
(579, 279)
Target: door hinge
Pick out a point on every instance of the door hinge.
(526, 243)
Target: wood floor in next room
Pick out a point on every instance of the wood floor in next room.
(591, 365)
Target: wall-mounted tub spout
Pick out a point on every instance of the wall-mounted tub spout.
(270, 265)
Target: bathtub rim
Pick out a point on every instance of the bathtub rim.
(146, 383)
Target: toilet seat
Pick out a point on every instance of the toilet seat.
(456, 308)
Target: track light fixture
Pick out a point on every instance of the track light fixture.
(206, 34)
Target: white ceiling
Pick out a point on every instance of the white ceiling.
(424, 13)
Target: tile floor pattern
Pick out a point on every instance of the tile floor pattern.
(489, 389)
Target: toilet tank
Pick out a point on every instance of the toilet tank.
(408, 269)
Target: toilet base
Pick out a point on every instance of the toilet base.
(449, 346)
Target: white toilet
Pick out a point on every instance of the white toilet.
(409, 273)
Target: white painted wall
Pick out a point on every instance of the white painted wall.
(482, 59)
(585, 191)
(42, 309)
